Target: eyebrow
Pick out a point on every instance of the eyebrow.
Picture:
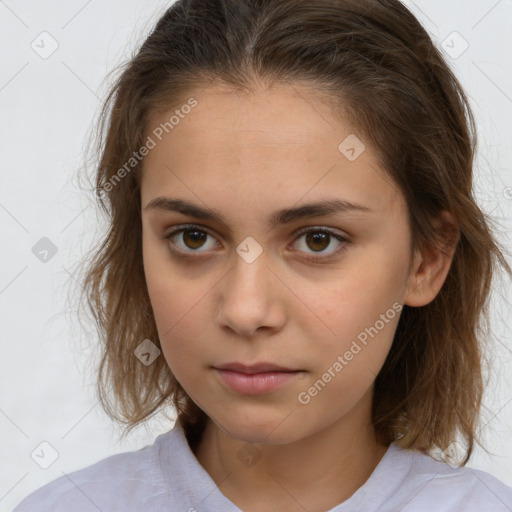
(284, 216)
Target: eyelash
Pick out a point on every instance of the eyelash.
(306, 230)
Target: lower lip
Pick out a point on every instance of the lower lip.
(256, 383)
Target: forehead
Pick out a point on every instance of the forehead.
(284, 115)
(272, 146)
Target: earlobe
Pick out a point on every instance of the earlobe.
(432, 264)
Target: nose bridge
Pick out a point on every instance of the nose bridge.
(250, 273)
(248, 297)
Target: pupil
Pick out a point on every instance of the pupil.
(197, 238)
(318, 237)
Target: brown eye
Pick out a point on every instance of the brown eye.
(188, 240)
(316, 240)
(194, 238)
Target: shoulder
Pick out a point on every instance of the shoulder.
(131, 478)
(434, 485)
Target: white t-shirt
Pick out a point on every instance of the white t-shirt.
(166, 476)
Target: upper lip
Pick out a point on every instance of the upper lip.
(254, 368)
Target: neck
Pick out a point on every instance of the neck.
(315, 473)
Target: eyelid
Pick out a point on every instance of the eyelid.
(342, 238)
(324, 257)
(185, 227)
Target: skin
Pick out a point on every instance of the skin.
(248, 155)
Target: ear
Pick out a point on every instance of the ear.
(432, 263)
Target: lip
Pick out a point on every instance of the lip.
(254, 368)
(256, 379)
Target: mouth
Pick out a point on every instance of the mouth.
(256, 379)
(262, 367)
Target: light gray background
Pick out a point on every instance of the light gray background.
(47, 107)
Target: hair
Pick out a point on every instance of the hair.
(378, 66)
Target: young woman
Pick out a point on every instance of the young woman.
(295, 262)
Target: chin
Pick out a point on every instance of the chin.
(259, 428)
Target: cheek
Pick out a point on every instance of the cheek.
(171, 294)
(359, 312)
(175, 302)
(346, 363)
(176, 318)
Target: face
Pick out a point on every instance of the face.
(317, 294)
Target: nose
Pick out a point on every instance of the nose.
(251, 298)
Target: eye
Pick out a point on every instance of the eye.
(193, 237)
(319, 238)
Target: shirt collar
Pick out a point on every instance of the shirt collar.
(191, 486)
(186, 479)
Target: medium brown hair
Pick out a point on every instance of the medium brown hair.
(380, 67)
